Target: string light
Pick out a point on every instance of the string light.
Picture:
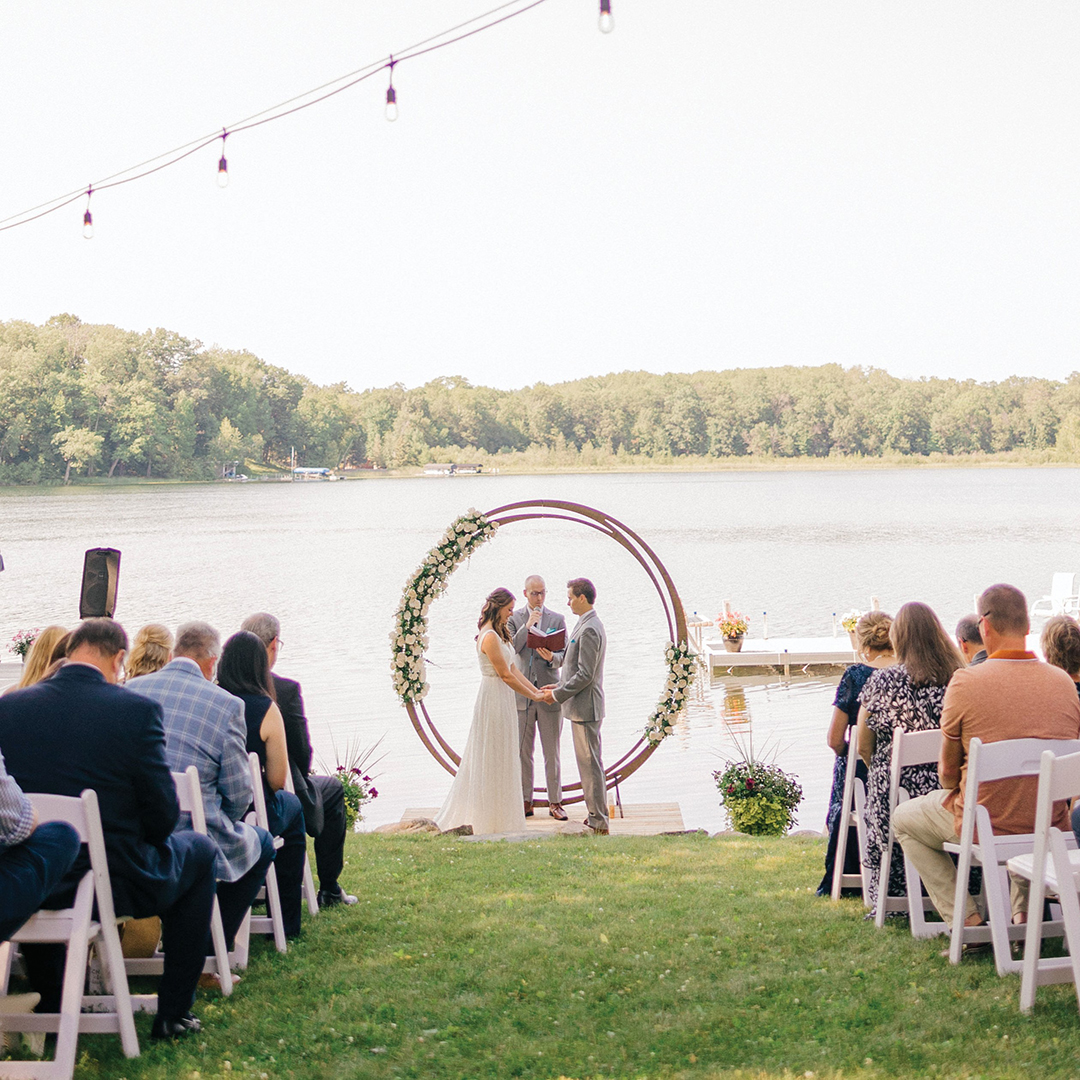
(607, 20)
(88, 218)
(391, 94)
(488, 20)
(223, 165)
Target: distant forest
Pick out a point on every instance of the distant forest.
(77, 399)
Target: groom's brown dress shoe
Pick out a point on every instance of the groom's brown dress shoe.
(557, 812)
(597, 831)
(528, 809)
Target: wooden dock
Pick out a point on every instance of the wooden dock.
(641, 819)
(783, 654)
(10, 672)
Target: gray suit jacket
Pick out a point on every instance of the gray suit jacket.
(204, 727)
(581, 688)
(536, 669)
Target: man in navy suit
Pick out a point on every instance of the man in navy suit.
(79, 730)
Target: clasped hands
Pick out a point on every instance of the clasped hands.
(547, 695)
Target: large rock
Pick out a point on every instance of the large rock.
(413, 825)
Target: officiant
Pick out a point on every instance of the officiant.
(541, 667)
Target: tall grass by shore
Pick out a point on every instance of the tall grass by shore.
(653, 958)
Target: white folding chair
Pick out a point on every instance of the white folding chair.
(1062, 599)
(272, 922)
(850, 815)
(908, 748)
(311, 895)
(75, 928)
(189, 794)
(1051, 868)
(986, 762)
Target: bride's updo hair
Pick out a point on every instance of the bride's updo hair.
(495, 602)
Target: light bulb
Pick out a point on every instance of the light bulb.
(391, 103)
(223, 172)
(87, 226)
(607, 20)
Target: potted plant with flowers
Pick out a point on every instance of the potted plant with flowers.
(760, 798)
(23, 642)
(357, 786)
(733, 626)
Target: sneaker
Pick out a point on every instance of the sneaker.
(337, 896)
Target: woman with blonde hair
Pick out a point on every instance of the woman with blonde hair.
(39, 659)
(907, 697)
(150, 651)
(875, 652)
(1060, 644)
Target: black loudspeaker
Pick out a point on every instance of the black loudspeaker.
(101, 573)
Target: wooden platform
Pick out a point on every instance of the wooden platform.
(10, 672)
(642, 819)
(784, 654)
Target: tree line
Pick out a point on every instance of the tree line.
(80, 399)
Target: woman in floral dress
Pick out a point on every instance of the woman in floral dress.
(907, 697)
(875, 649)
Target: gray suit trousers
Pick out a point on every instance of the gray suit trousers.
(550, 722)
(591, 768)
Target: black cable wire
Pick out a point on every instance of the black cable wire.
(411, 52)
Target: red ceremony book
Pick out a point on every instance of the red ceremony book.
(555, 640)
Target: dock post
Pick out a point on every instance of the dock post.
(787, 665)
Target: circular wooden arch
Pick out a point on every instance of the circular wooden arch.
(553, 509)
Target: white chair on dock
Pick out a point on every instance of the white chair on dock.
(908, 748)
(987, 762)
(1063, 598)
(851, 813)
(1052, 868)
(76, 928)
(189, 795)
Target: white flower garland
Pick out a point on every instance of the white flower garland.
(409, 637)
(682, 670)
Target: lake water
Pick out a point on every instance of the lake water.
(330, 560)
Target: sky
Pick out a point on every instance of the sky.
(719, 184)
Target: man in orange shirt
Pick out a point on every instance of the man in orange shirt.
(1013, 695)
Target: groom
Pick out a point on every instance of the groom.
(580, 691)
(539, 666)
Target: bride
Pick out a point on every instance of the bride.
(486, 793)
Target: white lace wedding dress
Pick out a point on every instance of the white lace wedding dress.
(486, 793)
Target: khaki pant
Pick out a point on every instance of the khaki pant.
(922, 827)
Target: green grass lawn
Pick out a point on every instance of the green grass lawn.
(599, 957)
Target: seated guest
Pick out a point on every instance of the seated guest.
(204, 727)
(906, 697)
(1013, 695)
(970, 640)
(321, 797)
(80, 730)
(1060, 643)
(39, 658)
(33, 858)
(872, 638)
(150, 651)
(244, 671)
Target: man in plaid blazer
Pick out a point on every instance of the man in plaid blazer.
(204, 727)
